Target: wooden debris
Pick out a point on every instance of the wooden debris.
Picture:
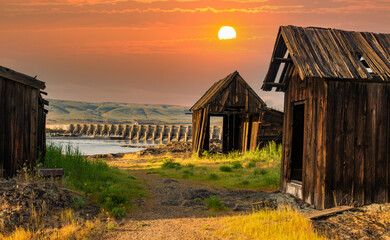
(329, 212)
(52, 172)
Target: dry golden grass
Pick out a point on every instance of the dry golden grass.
(72, 228)
(281, 224)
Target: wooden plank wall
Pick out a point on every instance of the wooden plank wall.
(239, 106)
(200, 130)
(346, 141)
(358, 143)
(19, 123)
(312, 93)
(2, 127)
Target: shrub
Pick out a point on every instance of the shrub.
(260, 171)
(236, 165)
(225, 168)
(213, 176)
(251, 164)
(214, 203)
(170, 164)
(198, 200)
(187, 173)
(245, 182)
(78, 203)
(190, 165)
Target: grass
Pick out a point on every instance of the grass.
(280, 224)
(110, 187)
(71, 228)
(261, 171)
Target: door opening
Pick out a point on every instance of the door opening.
(297, 142)
(216, 131)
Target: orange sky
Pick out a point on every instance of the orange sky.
(148, 51)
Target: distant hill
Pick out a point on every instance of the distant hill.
(63, 112)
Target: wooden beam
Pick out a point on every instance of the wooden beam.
(53, 172)
(285, 60)
(273, 84)
(328, 212)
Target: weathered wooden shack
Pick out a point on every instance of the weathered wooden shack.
(242, 111)
(22, 121)
(336, 134)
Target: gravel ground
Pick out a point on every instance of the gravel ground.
(174, 209)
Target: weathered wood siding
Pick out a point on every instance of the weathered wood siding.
(19, 126)
(312, 93)
(234, 100)
(346, 144)
(358, 142)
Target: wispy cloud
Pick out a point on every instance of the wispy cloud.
(171, 46)
(262, 9)
(355, 6)
(95, 2)
(64, 2)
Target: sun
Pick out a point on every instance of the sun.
(226, 32)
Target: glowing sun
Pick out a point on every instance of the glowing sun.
(226, 33)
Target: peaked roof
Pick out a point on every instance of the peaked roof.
(331, 53)
(21, 78)
(219, 86)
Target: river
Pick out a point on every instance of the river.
(91, 146)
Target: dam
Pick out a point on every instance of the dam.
(135, 132)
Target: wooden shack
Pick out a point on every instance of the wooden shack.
(242, 111)
(336, 134)
(22, 121)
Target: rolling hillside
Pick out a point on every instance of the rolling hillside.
(63, 111)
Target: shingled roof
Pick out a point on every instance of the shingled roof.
(21, 78)
(219, 86)
(331, 54)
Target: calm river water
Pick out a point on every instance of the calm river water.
(95, 146)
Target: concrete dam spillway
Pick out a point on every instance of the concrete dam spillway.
(161, 133)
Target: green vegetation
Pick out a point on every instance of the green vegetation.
(110, 187)
(214, 203)
(261, 172)
(280, 224)
(170, 164)
(78, 203)
(225, 168)
(62, 111)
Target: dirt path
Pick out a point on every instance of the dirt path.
(162, 216)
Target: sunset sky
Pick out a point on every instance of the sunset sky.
(148, 51)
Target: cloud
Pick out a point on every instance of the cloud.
(355, 6)
(262, 9)
(170, 46)
(95, 2)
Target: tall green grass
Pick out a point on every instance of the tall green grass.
(110, 187)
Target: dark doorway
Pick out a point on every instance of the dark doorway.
(216, 132)
(297, 142)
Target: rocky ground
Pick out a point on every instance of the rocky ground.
(34, 204)
(176, 210)
(367, 222)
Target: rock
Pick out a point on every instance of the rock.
(189, 203)
(170, 202)
(139, 202)
(198, 193)
(170, 181)
(22, 200)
